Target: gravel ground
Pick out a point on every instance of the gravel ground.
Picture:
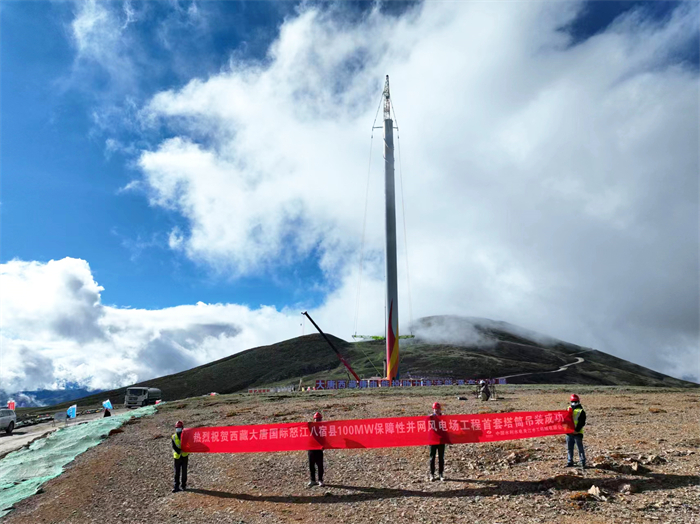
(644, 446)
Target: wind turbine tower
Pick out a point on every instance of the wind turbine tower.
(392, 295)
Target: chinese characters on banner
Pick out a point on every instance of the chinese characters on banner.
(377, 433)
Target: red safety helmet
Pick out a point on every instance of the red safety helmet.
(437, 406)
(179, 424)
(318, 416)
(574, 398)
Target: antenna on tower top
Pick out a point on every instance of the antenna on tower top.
(387, 100)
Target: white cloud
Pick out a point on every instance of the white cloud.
(549, 185)
(54, 298)
(124, 49)
(55, 329)
(100, 38)
(129, 13)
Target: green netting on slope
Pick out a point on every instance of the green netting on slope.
(22, 472)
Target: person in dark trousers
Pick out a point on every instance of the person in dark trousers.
(484, 392)
(108, 413)
(438, 449)
(316, 459)
(579, 416)
(180, 458)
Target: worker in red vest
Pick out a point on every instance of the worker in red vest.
(180, 457)
(438, 449)
(316, 459)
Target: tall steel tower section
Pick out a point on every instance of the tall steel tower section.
(392, 294)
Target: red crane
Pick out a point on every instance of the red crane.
(345, 362)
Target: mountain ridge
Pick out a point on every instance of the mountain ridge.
(444, 346)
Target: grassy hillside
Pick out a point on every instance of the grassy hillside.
(500, 350)
(279, 362)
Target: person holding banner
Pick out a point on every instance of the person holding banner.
(438, 449)
(316, 459)
(180, 458)
(579, 417)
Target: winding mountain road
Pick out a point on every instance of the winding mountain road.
(563, 368)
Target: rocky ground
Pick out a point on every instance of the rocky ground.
(644, 446)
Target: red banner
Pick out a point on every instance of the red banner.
(378, 432)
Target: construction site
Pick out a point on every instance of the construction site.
(642, 444)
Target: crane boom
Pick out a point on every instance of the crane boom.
(345, 362)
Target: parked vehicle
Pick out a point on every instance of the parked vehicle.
(8, 420)
(141, 396)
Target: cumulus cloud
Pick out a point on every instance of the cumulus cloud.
(548, 184)
(55, 330)
(59, 295)
(35, 367)
(124, 49)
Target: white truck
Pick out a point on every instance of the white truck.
(141, 396)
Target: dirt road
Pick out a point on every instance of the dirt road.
(24, 436)
(563, 368)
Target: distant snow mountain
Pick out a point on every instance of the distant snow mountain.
(46, 397)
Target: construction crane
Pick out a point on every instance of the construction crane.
(379, 337)
(345, 362)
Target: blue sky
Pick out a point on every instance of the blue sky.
(89, 90)
(61, 188)
(61, 185)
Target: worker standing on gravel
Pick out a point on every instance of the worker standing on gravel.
(316, 459)
(484, 392)
(180, 458)
(579, 417)
(438, 449)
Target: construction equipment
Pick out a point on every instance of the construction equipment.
(345, 362)
(379, 337)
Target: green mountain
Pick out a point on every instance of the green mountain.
(444, 346)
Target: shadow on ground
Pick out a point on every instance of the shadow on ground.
(652, 482)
